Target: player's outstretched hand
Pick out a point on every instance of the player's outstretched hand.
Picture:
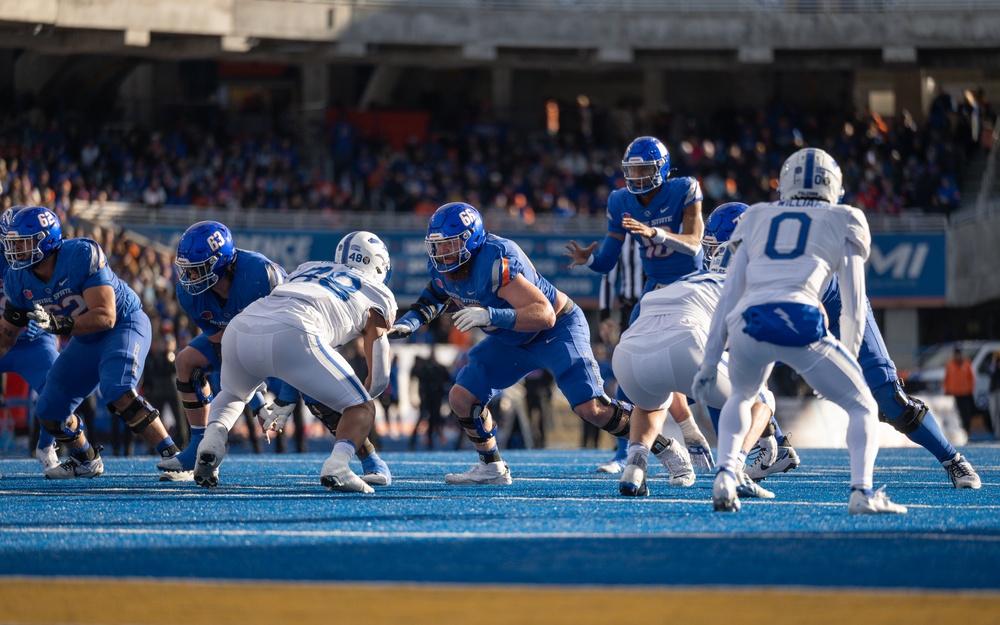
(472, 317)
(704, 382)
(700, 452)
(579, 255)
(280, 412)
(404, 327)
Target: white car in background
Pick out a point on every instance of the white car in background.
(928, 377)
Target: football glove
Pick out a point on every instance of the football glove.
(704, 382)
(275, 421)
(53, 324)
(473, 317)
(404, 326)
(701, 453)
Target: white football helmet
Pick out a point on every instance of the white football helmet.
(367, 253)
(811, 174)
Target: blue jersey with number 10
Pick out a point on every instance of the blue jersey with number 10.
(662, 264)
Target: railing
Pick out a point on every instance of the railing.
(181, 217)
(682, 6)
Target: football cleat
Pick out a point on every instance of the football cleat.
(724, 496)
(482, 473)
(748, 489)
(336, 475)
(961, 473)
(676, 460)
(877, 503)
(48, 456)
(73, 468)
(211, 453)
(633, 482)
(786, 460)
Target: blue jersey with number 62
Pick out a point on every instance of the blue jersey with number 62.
(80, 265)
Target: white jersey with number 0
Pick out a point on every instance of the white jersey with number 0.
(793, 248)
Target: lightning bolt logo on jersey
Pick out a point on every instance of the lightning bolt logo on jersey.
(80, 265)
(666, 211)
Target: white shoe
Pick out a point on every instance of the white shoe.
(482, 473)
(337, 475)
(878, 503)
(633, 481)
(961, 473)
(786, 460)
(724, 497)
(73, 468)
(48, 456)
(211, 453)
(678, 462)
(612, 466)
(179, 476)
(748, 489)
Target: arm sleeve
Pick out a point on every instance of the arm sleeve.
(851, 278)
(429, 305)
(380, 365)
(604, 259)
(663, 237)
(607, 292)
(718, 333)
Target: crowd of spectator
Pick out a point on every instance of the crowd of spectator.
(890, 165)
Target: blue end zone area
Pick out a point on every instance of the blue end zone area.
(559, 523)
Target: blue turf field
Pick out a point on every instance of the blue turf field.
(559, 523)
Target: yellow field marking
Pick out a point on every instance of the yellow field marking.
(63, 601)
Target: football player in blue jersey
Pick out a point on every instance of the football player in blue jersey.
(529, 325)
(32, 355)
(906, 414)
(216, 282)
(664, 215)
(68, 289)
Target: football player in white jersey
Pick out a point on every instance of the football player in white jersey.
(660, 352)
(783, 255)
(293, 334)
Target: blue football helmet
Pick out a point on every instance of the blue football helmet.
(718, 229)
(365, 252)
(204, 254)
(811, 174)
(5, 221)
(33, 233)
(454, 235)
(646, 165)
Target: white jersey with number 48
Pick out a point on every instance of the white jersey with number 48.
(327, 299)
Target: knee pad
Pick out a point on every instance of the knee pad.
(196, 387)
(327, 415)
(619, 424)
(911, 412)
(475, 423)
(134, 423)
(62, 431)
